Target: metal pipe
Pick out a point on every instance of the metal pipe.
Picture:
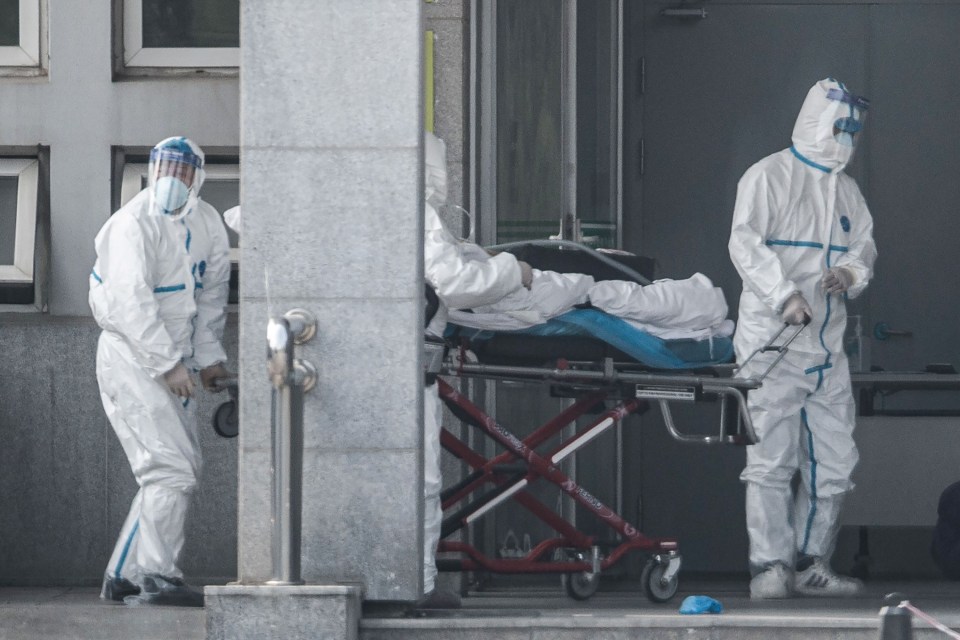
(290, 378)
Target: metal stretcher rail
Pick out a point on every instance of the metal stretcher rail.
(660, 387)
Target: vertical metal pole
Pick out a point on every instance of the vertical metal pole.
(568, 111)
(290, 378)
(618, 141)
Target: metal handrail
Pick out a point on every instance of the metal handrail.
(290, 377)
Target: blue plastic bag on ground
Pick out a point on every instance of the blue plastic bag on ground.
(700, 604)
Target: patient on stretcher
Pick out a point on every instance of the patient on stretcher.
(669, 309)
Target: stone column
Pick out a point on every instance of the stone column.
(331, 113)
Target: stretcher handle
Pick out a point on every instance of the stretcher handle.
(228, 383)
(749, 436)
(781, 349)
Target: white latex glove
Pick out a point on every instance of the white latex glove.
(837, 280)
(796, 310)
(179, 381)
(526, 274)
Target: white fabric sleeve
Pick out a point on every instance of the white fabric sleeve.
(463, 282)
(212, 301)
(757, 264)
(125, 303)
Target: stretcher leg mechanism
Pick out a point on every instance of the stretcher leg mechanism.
(578, 557)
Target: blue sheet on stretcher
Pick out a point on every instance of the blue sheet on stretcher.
(647, 349)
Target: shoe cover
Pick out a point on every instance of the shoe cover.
(439, 599)
(700, 604)
(819, 580)
(159, 590)
(773, 582)
(117, 589)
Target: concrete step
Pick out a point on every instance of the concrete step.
(547, 615)
(77, 613)
(528, 614)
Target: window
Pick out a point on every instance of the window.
(178, 34)
(22, 45)
(221, 188)
(19, 181)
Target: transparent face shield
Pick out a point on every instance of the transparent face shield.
(848, 113)
(173, 177)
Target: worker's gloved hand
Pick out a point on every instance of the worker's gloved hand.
(837, 280)
(796, 310)
(526, 274)
(210, 376)
(179, 381)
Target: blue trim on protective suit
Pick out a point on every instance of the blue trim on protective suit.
(813, 483)
(819, 367)
(96, 276)
(808, 161)
(126, 549)
(794, 243)
(839, 247)
(169, 288)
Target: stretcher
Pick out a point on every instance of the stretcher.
(608, 375)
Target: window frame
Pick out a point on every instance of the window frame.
(131, 58)
(29, 57)
(27, 172)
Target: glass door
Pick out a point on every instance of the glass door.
(549, 121)
(546, 139)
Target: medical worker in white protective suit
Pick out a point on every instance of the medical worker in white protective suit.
(802, 240)
(158, 291)
(463, 276)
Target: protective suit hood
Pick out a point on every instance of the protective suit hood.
(828, 124)
(164, 157)
(435, 170)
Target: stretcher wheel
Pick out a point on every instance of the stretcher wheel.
(580, 585)
(226, 420)
(654, 587)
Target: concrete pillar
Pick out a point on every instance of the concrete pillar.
(331, 116)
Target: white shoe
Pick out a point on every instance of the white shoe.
(819, 580)
(773, 582)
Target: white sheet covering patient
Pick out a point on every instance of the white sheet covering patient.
(668, 309)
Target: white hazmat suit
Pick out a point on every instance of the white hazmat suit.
(800, 222)
(463, 276)
(158, 290)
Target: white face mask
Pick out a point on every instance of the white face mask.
(844, 138)
(170, 194)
